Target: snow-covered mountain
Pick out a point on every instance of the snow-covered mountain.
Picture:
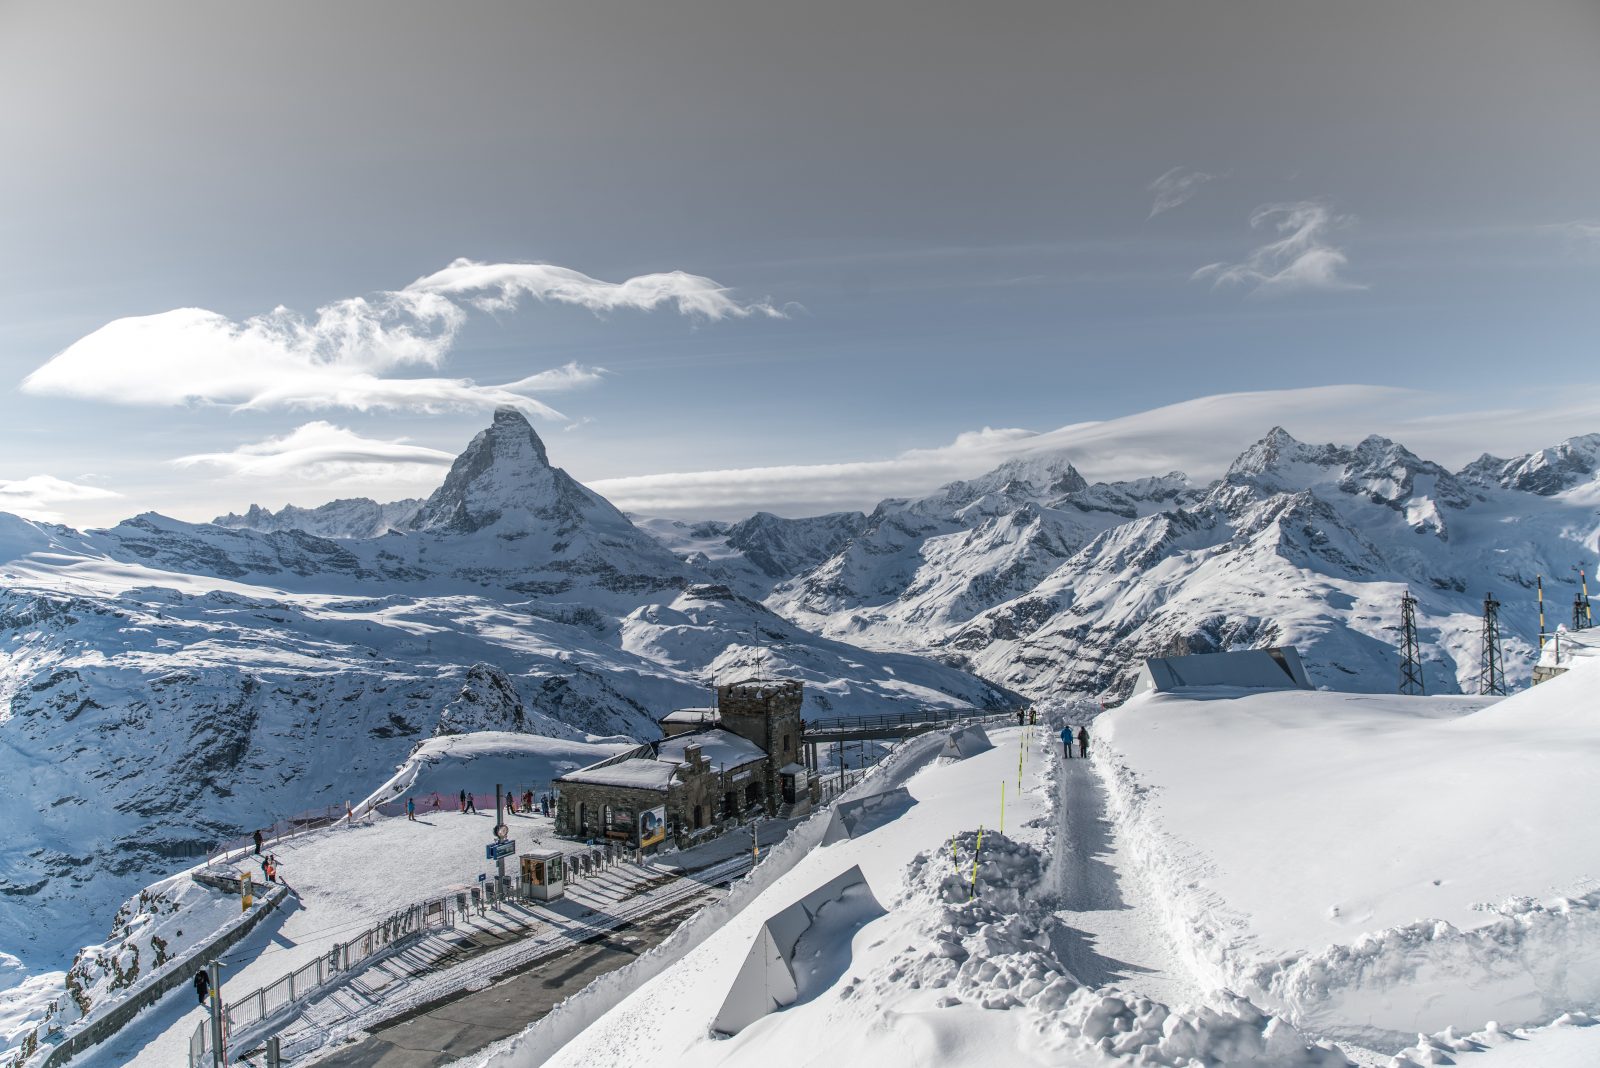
(354, 517)
(166, 684)
(1039, 580)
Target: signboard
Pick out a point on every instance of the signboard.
(503, 848)
(652, 825)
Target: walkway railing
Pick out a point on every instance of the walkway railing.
(900, 723)
(270, 1000)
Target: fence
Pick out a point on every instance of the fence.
(268, 1001)
(281, 828)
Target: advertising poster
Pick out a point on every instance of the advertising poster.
(652, 825)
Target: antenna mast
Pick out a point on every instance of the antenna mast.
(1492, 676)
(1411, 653)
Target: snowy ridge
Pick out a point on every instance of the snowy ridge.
(1034, 578)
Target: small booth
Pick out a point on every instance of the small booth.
(544, 874)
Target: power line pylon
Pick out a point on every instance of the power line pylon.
(1581, 616)
(1411, 651)
(1492, 676)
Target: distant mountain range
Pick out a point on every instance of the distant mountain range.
(169, 683)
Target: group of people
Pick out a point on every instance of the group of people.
(545, 804)
(269, 862)
(1083, 741)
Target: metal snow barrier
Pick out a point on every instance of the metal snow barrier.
(768, 980)
(266, 1003)
(852, 818)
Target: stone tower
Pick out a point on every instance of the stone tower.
(767, 712)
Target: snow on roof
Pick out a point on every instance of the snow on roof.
(641, 773)
(692, 715)
(1254, 669)
(720, 748)
(792, 768)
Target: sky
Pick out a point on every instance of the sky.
(731, 256)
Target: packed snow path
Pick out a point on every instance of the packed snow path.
(1114, 936)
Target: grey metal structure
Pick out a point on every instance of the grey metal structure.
(1411, 651)
(1491, 675)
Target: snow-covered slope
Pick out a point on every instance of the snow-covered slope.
(1372, 866)
(1039, 581)
(166, 684)
(961, 966)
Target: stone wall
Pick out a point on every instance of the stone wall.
(176, 973)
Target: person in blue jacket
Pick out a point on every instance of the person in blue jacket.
(1066, 740)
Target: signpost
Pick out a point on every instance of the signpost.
(501, 833)
(499, 851)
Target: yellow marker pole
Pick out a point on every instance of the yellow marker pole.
(1002, 806)
(973, 889)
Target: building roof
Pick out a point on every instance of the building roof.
(693, 716)
(721, 749)
(639, 773)
(1251, 669)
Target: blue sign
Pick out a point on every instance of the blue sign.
(496, 850)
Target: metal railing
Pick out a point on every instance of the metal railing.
(270, 1000)
(901, 722)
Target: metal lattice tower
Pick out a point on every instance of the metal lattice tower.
(1581, 617)
(1492, 676)
(1411, 651)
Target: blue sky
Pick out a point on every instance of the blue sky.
(898, 224)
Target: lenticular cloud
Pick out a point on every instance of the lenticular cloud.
(347, 353)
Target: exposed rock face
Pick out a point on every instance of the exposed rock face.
(355, 517)
(487, 701)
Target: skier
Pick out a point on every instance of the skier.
(202, 986)
(472, 808)
(1066, 740)
(527, 801)
(411, 809)
(258, 842)
(463, 801)
(1083, 742)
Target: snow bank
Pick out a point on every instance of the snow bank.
(476, 762)
(1570, 1041)
(1373, 867)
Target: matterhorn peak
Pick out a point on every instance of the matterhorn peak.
(505, 474)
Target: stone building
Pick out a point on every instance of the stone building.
(713, 768)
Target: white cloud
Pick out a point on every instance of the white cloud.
(1582, 230)
(500, 286)
(1200, 437)
(34, 497)
(345, 354)
(321, 451)
(1175, 188)
(1300, 259)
